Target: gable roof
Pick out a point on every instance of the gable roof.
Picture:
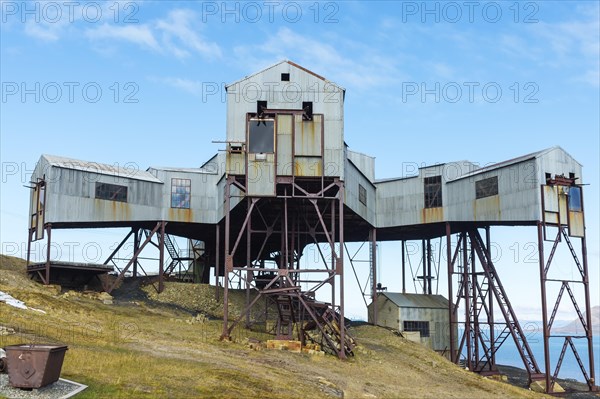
(292, 64)
(416, 300)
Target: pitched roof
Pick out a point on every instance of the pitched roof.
(510, 162)
(292, 64)
(416, 300)
(100, 168)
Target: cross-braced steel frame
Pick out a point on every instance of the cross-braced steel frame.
(579, 265)
(275, 231)
(480, 293)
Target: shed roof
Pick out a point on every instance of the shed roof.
(416, 300)
(513, 161)
(100, 168)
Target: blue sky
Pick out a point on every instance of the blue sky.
(132, 83)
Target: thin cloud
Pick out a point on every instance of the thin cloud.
(180, 38)
(173, 35)
(141, 35)
(363, 72)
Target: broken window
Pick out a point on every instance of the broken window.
(285, 77)
(362, 194)
(433, 191)
(111, 192)
(181, 191)
(261, 136)
(420, 326)
(486, 187)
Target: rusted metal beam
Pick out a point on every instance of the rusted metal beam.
(135, 255)
(49, 232)
(450, 265)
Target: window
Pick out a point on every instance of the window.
(180, 193)
(362, 194)
(307, 107)
(420, 326)
(260, 107)
(575, 199)
(285, 77)
(111, 192)
(261, 136)
(486, 187)
(433, 192)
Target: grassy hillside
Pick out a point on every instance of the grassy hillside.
(145, 346)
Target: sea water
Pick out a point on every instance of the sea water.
(509, 355)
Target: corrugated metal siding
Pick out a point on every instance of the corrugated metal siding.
(364, 163)
(327, 98)
(354, 179)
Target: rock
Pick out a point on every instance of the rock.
(104, 296)
(540, 386)
(6, 330)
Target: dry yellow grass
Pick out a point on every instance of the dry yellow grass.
(149, 349)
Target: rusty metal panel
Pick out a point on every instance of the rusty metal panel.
(307, 141)
(563, 213)
(576, 224)
(236, 163)
(284, 145)
(487, 208)
(261, 175)
(308, 166)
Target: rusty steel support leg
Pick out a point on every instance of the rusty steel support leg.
(403, 267)
(333, 257)
(488, 243)
(373, 238)
(545, 327)
(340, 267)
(49, 231)
(161, 257)
(217, 253)
(29, 237)
(227, 260)
(588, 312)
(465, 276)
(248, 262)
(429, 276)
(424, 263)
(136, 245)
(450, 295)
(474, 304)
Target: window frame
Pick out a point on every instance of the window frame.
(486, 190)
(249, 136)
(186, 184)
(421, 326)
(111, 192)
(362, 194)
(432, 199)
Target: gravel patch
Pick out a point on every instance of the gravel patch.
(60, 389)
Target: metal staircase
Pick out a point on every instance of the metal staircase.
(512, 324)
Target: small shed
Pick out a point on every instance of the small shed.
(425, 314)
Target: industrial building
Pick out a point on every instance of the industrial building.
(422, 314)
(285, 180)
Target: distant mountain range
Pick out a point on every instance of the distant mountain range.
(575, 327)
